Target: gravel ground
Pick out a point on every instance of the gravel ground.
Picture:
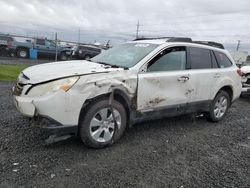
(176, 152)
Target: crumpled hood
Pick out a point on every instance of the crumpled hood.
(50, 71)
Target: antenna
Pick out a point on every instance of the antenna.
(238, 45)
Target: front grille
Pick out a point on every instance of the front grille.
(17, 89)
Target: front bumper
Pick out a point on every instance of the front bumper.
(25, 106)
(53, 127)
(63, 107)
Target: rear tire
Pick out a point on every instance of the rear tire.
(96, 126)
(219, 107)
(22, 53)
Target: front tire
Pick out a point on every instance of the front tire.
(97, 127)
(87, 57)
(63, 56)
(219, 107)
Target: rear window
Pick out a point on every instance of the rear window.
(222, 60)
(200, 58)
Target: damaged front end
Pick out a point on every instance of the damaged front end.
(55, 105)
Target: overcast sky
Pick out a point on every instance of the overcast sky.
(221, 20)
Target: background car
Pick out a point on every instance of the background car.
(245, 71)
(85, 51)
(44, 47)
(6, 45)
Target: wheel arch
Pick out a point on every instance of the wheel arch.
(118, 95)
(229, 90)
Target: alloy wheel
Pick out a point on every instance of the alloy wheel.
(220, 107)
(102, 125)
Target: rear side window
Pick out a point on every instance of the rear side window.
(200, 58)
(214, 62)
(222, 60)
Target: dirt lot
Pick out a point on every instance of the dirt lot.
(177, 152)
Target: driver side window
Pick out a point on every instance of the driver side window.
(171, 59)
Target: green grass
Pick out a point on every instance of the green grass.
(10, 72)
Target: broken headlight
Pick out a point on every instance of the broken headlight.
(53, 86)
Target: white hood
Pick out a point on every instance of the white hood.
(50, 71)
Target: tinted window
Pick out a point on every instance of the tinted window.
(222, 60)
(169, 60)
(200, 58)
(214, 62)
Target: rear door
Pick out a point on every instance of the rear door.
(166, 82)
(204, 72)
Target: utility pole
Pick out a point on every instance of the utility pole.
(79, 35)
(137, 30)
(56, 46)
(238, 45)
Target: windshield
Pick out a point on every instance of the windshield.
(125, 55)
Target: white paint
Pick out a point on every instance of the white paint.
(160, 89)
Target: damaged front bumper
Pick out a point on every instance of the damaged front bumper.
(56, 130)
(48, 113)
(53, 127)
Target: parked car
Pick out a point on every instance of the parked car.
(133, 82)
(245, 69)
(6, 45)
(44, 47)
(85, 51)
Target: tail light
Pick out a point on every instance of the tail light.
(9, 43)
(239, 72)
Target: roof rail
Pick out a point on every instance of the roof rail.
(168, 39)
(179, 39)
(151, 38)
(184, 39)
(210, 43)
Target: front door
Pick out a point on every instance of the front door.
(166, 83)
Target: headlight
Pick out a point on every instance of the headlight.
(53, 86)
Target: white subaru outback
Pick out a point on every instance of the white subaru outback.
(136, 81)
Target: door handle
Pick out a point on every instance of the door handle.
(183, 79)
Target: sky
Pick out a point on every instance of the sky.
(225, 21)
